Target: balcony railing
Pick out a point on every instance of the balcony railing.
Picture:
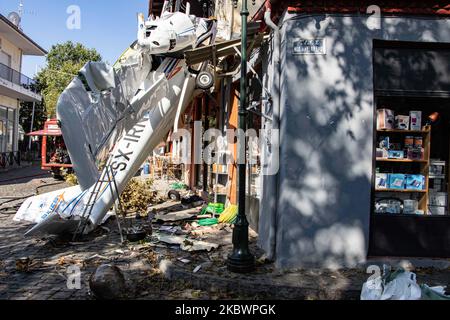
(9, 159)
(18, 78)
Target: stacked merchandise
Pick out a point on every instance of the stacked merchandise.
(438, 198)
(399, 181)
(387, 120)
(411, 147)
(397, 206)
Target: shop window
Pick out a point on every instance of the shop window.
(411, 176)
(7, 129)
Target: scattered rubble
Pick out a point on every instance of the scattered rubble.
(177, 216)
(107, 283)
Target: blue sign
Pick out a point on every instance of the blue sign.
(310, 46)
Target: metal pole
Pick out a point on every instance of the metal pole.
(32, 125)
(241, 260)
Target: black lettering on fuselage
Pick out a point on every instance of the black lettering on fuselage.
(123, 155)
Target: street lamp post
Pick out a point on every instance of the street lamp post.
(241, 260)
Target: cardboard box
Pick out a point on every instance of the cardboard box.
(381, 181)
(409, 142)
(437, 167)
(396, 154)
(437, 211)
(415, 182)
(416, 120)
(410, 206)
(415, 153)
(382, 153)
(397, 181)
(438, 199)
(402, 122)
(418, 142)
(385, 119)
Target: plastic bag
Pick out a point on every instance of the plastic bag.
(398, 285)
(402, 287)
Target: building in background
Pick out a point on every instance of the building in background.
(14, 86)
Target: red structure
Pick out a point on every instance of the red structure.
(54, 155)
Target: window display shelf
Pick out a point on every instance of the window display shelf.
(401, 160)
(426, 131)
(401, 190)
(411, 215)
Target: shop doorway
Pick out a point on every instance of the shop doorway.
(410, 213)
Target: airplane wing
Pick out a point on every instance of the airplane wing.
(95, 109)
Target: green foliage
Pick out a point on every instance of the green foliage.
(63, 63)
(26, 111)
(137, 196)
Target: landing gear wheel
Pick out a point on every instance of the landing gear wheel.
(174, 195)
(205, 80)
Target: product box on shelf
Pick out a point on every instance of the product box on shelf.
(418, 142)
(396, 154)
(385, 119)
(438, 199)
(415, 182)
(416, 120)
(382, 153)
(437, 211)
(397, 181)
(391, 206)
(402, 122)
(409, 142)
(381, 180)
(410, 206)
(437, 167)
(415, 153)
(436, 184)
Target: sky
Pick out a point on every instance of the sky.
(109, 26)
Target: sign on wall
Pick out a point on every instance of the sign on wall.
(310, 46)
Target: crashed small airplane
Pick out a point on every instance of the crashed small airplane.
(113, 117)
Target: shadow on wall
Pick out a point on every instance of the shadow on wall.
(323, 212)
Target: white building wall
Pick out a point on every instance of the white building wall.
(321, 195)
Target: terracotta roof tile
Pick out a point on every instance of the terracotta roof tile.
(400, 7)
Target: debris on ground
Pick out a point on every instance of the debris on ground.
(107, 283)
(71, 179)
(135, 233)
(189, 245)
(176, 216)
(400, 285)
(23, 264)
(178, 186)
(213, 208)
(137, 196)
(229, 215)
(193, 201)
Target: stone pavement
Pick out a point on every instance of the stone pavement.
(155, 270)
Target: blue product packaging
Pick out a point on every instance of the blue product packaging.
(396, 154)
(415, 182)
(397, 181)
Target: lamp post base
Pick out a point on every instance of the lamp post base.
(241, 262)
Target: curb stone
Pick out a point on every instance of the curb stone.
(272, 290)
